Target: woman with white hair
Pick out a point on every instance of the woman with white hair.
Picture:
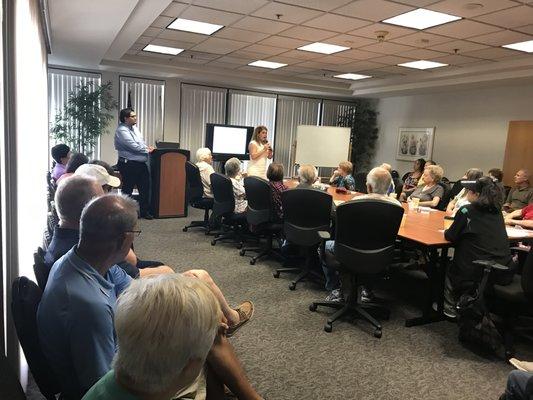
(233, 168)
(307, 175)
(430, 193)
(204, 161)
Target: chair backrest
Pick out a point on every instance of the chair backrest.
(305, 211)
(527, 276)
(9, 384)
(360, 182)
(445, 199)
(224, 200)
(25, 300)
(195, 189)
(40, 268)
(258, 194)
(366, 231)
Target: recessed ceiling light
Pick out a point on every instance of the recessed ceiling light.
(353, 77)
(521, 46)
(153, 48)
(267, 64)
(421, 19)
(323, 48)
(422, 64)
(188, 25)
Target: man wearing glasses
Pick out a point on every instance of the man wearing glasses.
(132, 158)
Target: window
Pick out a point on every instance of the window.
(147, 97)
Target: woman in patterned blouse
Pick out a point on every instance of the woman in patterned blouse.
(411, 181)
(342, 176)
(275, 177)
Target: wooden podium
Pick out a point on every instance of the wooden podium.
(168, 182)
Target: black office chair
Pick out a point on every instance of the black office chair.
(445, 199)
(40, 268)
(25, 300)
(195, 197)
(360, 182)
(260, 215)
(364, 246)
(9, 384)
(306, 212)
(223, 210)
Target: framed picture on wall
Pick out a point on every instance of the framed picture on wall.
(414, 143)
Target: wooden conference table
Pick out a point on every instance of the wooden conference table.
(425, 230)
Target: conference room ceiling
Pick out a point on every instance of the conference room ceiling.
(273, 30)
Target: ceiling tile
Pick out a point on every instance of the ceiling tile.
(262, 49)
(391, 60)
(144, 40)
(356, 54)
(330, 59)
(387, 48)
(289, 13)
(455, 59)
(395, 70)
(219, 46)
(337, 23)
(502, 37)
(463, 29)
(324, 5)
(491, 53)
(261, 25)
(173, 43)
(308, 34)
(200, 55)
(358, 66)
(393, 31)
(373, 10)
(350, 41)
(152, 32)
(286, 43)
(301, 55)
(317, 65)
(460, 45)
(218, 64)
(240, 6)
(240, 34)
(283, 59)
(417, 3)
(252, 55)
(174, 9)
(421, 39)
(509, 18)
(187, 59)
(422, 54)
(525, 29)
(236, 60)
(162, 22)
(132, 52)
(462, 8)
(208, 15)
(181, 36)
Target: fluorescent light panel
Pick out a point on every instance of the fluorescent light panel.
(421, 19)
(188, 25)
(354, 77)
(422, 64)
(267, 64)
(153, 48)
(521, 46)
(323, 48)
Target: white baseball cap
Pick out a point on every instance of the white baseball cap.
(99, 173)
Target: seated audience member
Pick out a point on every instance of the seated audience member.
(427, 164)
(307, 175)
(519, 386)
(204, 161)
(523, 217)
(76, 160)
(275, 180)
(431, 192)
(388, 168)
(410, 180)
(460, 199)
(497, 176)
(61, 155)
(185, 323)
(521, 195)
(477, 233)
(378, 182)
(76, 313)
(342, 176)
(101, 175)
(233, 169)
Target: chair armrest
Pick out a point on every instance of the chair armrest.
(491, 265)
(324, 235)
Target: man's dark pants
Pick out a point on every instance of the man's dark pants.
(135, 173)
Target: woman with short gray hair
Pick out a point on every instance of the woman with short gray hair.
(204, 161)
(233, 169)
(307, 174)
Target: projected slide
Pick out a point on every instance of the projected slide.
(228, 140)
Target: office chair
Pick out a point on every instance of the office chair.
(40, 268)
(260, 215)
(360, 182)
(306, 212)
(25, 300)
(364, 246)
(9, 384)
(445, 199)
(195, 197)
(223, 210)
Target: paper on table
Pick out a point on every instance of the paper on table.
(518, 233)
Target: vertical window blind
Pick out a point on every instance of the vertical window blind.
(147, 97)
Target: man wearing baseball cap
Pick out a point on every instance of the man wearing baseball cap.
(101, 175)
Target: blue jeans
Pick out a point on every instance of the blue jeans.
(516, 385)
(332, 276)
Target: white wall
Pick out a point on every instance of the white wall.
(171, 123)
(471, 125)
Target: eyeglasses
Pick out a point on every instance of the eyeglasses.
(136, 233)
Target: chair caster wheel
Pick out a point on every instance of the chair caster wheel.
(239, 246)
(328, 328)
(509, 354)
(241, 253)
(275, 274)
(252, 262)
(377, 333)
(213, 242)
(312, 307)
(184, 229)
(292, 286)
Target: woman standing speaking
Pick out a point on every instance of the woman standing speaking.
(259, 150)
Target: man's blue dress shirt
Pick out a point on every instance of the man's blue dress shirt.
(129, 143)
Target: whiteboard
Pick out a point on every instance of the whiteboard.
(322, 146)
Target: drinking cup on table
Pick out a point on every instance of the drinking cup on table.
(448, 221)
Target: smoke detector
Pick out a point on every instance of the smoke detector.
(381, 35)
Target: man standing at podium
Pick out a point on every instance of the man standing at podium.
(132, 159)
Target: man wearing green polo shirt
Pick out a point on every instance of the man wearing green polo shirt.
(521, 195)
